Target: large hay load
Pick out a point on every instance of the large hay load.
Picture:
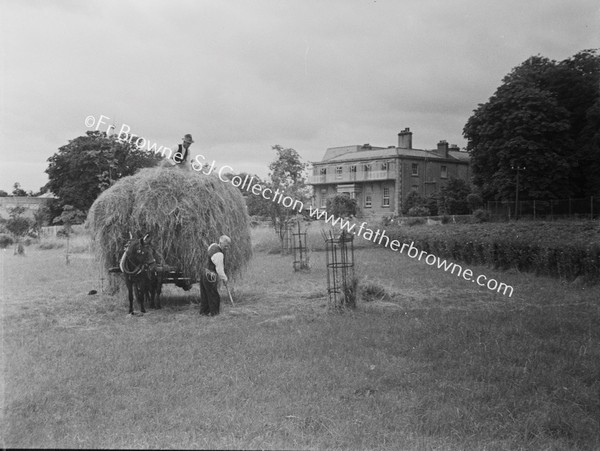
(183, 211)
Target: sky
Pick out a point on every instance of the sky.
(242, 76)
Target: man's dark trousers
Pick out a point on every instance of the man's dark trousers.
(210, 299)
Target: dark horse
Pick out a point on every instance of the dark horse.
(138, 265)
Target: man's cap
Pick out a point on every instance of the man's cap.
(188, 138)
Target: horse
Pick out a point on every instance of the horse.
(138, 265)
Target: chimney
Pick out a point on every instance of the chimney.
(442, 148)
(454, 147)
(405, 139)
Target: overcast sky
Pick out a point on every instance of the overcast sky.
(242, 76)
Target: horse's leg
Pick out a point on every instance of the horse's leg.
(130, 293)
(155, 288)
(141, 294)
(158, 290)
(149, 282)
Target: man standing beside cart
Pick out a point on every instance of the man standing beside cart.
(210, 299)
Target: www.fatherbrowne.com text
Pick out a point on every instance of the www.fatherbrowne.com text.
(362, 231)
(381, 238)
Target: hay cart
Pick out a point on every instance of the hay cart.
(168, 274)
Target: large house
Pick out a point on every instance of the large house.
(381, 178)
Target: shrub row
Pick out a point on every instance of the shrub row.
(562, 250)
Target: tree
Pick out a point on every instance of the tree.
(341, 206)
(432, 202)
(3, 193)
(257, 205)
(89, 164)
(541, 123)
(453, 196)
(18, 191)
(287, 177)
(68, 218)
(475, 201)
(18, 225)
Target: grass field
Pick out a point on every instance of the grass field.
(437, 363)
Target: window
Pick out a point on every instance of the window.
(368, 200)
(415, 169)
(386, 197)
(415, 188)
(367, 167)
(338, 172)
(353, 168)
(323, 171)
(444, 172)
(384, 166)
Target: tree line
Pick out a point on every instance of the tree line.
(540, 130)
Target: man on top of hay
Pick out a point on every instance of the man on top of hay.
(210, 299)
(182, 154)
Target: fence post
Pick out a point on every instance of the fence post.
(592, 207)
(534, 209)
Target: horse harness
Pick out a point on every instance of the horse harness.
(126, 263)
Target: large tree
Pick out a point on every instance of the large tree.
(540, 124)
(89, 164)
(288, 176)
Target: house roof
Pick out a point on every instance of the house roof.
(391, 152)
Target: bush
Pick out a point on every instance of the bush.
(561, 250)
(5, 240)
(342, 206)
(47, 245)
(387, 220)
(419, 211)
(371, 291)
(415, 221)
(475, 201)
(414, 199)
(453, 197)
(432, 203)
(481, 216)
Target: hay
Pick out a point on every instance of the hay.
(182, 211)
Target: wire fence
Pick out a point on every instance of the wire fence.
(581, 208)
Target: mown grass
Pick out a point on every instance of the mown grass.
(438, 363)
(266, 239)
(78, 243)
